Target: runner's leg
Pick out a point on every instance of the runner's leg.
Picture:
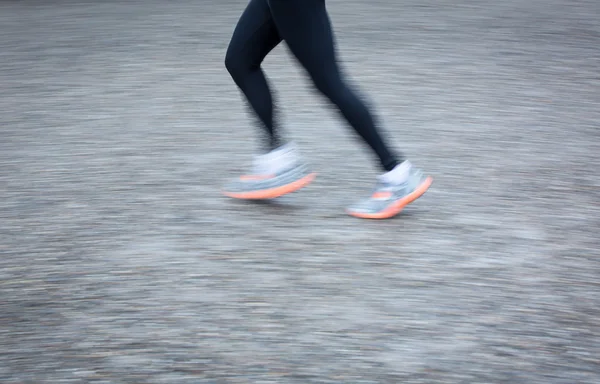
(254, 37)
(306, 28)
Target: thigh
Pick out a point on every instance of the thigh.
(255, 34)
(306, 28)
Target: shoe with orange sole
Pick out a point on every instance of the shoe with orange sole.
(261, 186)
(388, 200)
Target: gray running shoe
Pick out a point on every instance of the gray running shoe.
(275, 174)
(387, 200)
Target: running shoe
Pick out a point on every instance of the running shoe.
(389, 199)
(274, 174)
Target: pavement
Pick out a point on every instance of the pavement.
(121, 262)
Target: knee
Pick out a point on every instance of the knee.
(333, 89)
(232, 63)
(237, 63)
(324, 86)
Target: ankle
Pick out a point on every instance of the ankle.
(277, 159)
(398, 175)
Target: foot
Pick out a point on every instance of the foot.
(389, 197)
(274, 174)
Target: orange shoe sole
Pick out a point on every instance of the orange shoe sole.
(398, 206)
(273, 192)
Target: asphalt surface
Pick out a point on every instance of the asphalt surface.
(122, 263)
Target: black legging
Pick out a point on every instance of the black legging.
(306, 28)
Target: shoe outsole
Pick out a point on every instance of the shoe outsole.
(395, 208)
(273, 193)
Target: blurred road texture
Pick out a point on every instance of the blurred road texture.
(121, 262)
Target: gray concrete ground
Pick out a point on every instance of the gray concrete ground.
(121, 262)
